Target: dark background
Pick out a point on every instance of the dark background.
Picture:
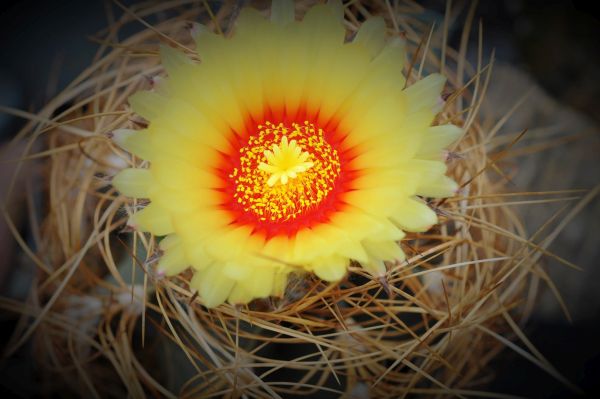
(44, 45)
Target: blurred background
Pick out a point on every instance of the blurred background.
(548, 47)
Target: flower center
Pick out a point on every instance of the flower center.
(284, 171)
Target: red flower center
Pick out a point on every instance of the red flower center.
(285, 176)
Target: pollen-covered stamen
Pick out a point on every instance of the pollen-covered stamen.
(285, 161)
(284, 171)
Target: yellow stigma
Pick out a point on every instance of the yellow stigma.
(285, 161)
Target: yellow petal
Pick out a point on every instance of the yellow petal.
(425, 94)
(237, 270)
(377, 86)
(137, 183)
(258, 285)
(228, 244)
(375, 267)
(349, 65)
(388, 232)
(330, 268)
(277, 249)
(213, 286)
(153, 219)
(174, 61)
(390, 61)
(353, 220)
(187, 201)
(200, 224)
(414, 216)
(207, 43)
(136, 142)
(385, 250)
(240, 295)
(371, 35)
(381, 202)
(183, 119)
(280, 280)
(170, 241)
(436, 138)
(147, 104)
(441, 187)
(196, 254)
(181, 175)
(172, 261)
(250, 21)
